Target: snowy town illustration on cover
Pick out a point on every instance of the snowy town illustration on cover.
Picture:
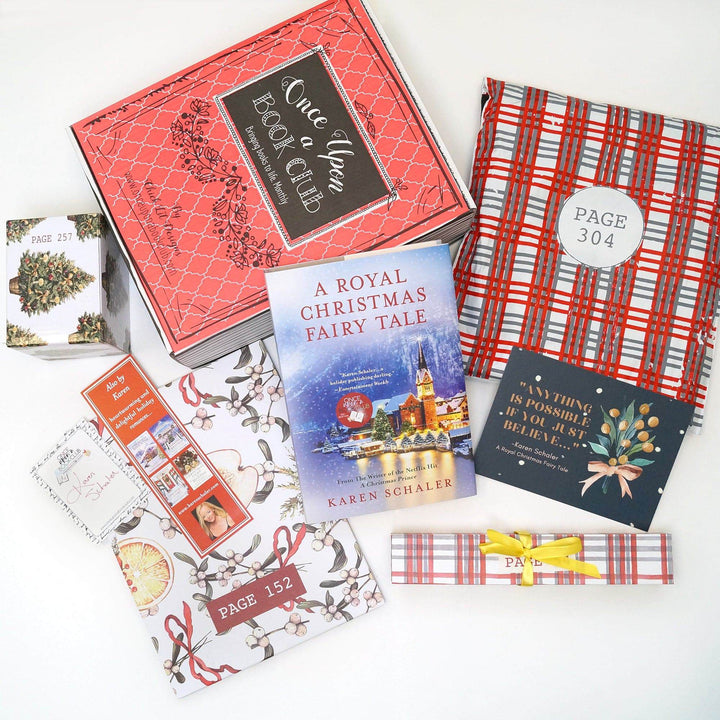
(413, 420)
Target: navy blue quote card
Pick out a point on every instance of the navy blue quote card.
(582, 438)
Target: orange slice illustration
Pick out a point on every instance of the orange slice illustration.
(148, 571)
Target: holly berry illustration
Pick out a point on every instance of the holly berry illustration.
(91, 328)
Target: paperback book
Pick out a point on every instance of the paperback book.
(302, 143)
(370, 355)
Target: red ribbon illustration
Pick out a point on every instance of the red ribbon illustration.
(191, 395)
(293, 547)
(99, 425)
(189, 381)
(193, 660)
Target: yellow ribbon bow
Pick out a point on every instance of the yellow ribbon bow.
(552, 553)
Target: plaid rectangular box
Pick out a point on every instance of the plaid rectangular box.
(649, 317)
(455, 559)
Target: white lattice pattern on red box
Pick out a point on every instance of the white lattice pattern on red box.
(168, 217)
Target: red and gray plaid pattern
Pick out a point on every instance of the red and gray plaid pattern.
(455, 559)
(649, 321)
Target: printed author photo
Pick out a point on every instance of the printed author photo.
(212, 518)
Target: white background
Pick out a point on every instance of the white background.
(71, 643)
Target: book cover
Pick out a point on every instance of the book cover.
(582, 438)
(370, 356)
(302, 143)
(595, 241)
(252, 589)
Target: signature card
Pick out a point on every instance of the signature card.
(93, 484)
(582, 438)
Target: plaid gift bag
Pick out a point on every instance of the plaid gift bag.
(596, 241)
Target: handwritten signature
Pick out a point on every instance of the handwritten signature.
(89, 488)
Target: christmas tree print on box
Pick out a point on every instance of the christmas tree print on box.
(21, 337)
(91, 327)
(16, 230)
(67, 288)
(90, 225)
(44, 281)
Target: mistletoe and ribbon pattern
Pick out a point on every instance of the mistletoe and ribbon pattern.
(293, 547)
(555, 553)
(196, 664)
(236, 412)
(625, 440)
(190, 394)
